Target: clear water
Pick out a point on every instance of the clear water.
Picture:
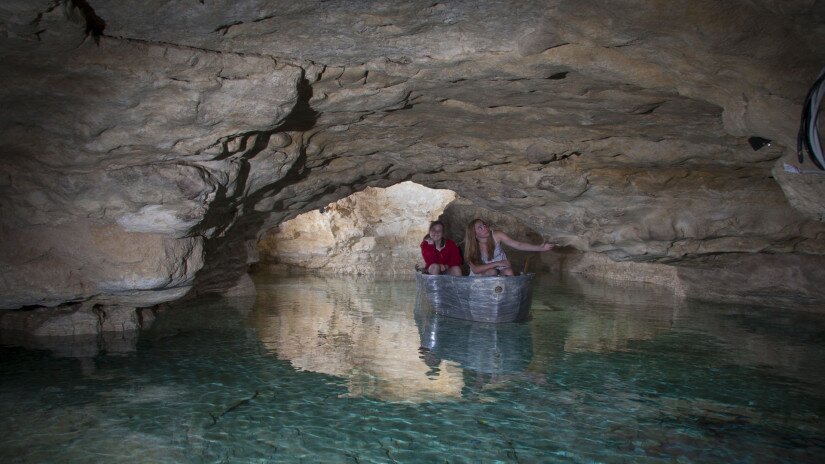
(346, 370)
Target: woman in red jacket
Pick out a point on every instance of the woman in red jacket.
(441, 255)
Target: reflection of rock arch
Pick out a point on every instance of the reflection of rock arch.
(338, 327)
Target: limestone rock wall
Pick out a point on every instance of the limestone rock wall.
(114, 151)
(146, 146)
(376, 231)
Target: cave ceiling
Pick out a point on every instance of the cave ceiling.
(179, 131)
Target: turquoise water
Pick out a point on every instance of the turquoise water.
(346, 370)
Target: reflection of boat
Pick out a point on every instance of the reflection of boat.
(484, 299)
(478, 346)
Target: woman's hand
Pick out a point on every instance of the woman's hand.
(443, 267)
(546, 246)
(503, 264)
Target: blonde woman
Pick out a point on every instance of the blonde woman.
(484, 253)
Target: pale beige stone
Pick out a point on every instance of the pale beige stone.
(182, 133)
(377, 231)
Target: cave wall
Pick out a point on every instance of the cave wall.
(373, 232)
(146, 146)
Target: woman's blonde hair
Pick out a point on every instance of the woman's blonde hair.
(471, 249)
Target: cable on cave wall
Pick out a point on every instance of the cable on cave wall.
(808, 137)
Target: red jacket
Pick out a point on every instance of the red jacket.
(448, 255)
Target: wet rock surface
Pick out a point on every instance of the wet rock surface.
(148, 146)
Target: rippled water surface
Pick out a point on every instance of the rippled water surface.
(347, 370)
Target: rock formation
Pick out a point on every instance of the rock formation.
(376, 231)
(148, 145)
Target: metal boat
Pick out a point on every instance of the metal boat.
(482, 299)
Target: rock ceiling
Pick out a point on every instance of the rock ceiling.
(147, 144)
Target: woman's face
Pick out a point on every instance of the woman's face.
(481, 229)
(437, 232)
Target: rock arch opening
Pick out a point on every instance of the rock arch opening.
(374, 231)
(377, 231)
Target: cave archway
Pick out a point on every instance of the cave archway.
(377, 231)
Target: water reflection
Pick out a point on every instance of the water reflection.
(784, 343)
(615, 315)
(374, 335)
(83, 348)
(359, 330)
(482, 347)
(345, 370)
(369, 332)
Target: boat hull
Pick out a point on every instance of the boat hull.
(483, 299)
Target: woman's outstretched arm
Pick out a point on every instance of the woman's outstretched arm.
(505, 239)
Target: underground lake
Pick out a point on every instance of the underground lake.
(352, 369)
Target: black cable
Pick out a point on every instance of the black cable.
(808, 137)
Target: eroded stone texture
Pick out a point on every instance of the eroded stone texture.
(86, 259)
(79, 330)
(458, 215)
(376, 231)
(187, 130)
(115, 150)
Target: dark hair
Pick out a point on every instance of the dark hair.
(433, 224)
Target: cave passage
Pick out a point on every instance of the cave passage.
(164, 299)
(375, 231)
(378, 231)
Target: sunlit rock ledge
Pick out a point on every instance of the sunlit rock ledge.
(373, 232)
(148, 146)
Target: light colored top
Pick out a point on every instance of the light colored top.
(498, 253)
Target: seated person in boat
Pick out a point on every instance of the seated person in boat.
(441, 255)
(484, 253)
